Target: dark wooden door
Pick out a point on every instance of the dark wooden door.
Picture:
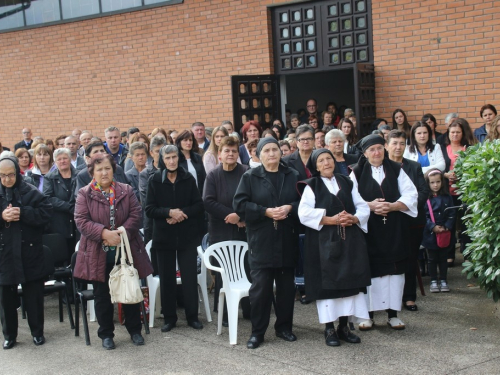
(255, 98)
(366, 111)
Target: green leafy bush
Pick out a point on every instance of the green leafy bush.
(478, 172)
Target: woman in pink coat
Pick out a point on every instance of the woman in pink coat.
(101, 208)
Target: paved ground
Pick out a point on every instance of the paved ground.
(455, 333)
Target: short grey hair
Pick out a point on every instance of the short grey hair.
(451, 116)
(137, 146)
(157, 140)
(111, 129)
(304, 128)
(7, 154)
(348, 112)
(169, 149)
(334, 133)
(62, 150)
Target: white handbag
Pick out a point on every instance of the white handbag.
(124, 284)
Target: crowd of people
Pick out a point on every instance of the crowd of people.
(375, 211)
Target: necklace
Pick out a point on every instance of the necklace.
(340, 229)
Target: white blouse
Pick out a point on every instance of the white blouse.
(408, 191)
(311, 216)
(436, 159)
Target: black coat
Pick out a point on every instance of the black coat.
(350, 160)
(414, 171)
(164, 195)
(144, 177)
(269, 247)
(218, 201)
(22, 145)
(62, 220)
(244, 157)
(294, 161)
(197, 162)
(21, 255)
(133, 176)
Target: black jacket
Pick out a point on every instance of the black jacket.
(350, 160)
(218, 201)
(21, 248)
(414, 171)
(269, 246)
(133, 176)
(144, 177)
(162, 196)
(294, 161)
(197, 161)
(62, 220)
(22, 145)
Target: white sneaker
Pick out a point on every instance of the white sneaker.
(396, 323)
(366, 325)
(444, 286)
(434, 287)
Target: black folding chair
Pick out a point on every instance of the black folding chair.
(51, 286)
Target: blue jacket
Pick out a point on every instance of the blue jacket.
(480, 133)
(445, 218)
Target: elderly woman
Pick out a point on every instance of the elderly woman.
(391, 196)
(223, 223)
(25, 212)
(138, 153)
(422, 150)
(24, 159)
(305, 143)
(103, 206)
(250, 131)
(43, 164)
(336, 267)
(59, 186)
(142, 138)
(211, 156)
(174, 203)
(267, 200)
(334, 141)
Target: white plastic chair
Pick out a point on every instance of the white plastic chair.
(154, 292)
(235, 285)
(90, 304)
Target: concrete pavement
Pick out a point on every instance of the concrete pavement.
(452, 333)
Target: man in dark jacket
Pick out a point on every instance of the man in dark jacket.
(396, 147)
(26, 142)
(25, 211)
(114, 147)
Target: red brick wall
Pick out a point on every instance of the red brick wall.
(419, 73)
(167, 66)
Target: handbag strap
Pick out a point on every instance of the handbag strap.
(430, 210)
(125, 245)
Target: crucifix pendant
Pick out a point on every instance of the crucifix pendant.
(275, 223)
(384, 220)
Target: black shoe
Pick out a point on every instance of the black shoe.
(9, 344)
(411, 307)
(196, 324)
(254, 341)
(331, 338)
(225, 323)
(108, 343)
(167, 327)
(137, 339)
(286, 335)
(304, 301)
(344, 333)
(39, 340)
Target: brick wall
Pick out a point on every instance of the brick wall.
(436, 56)
(167, 66)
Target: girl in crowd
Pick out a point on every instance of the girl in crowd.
(457, 138)
(278, 124)
(332, 108)
(487, 113)
(250, 131)
(422, 149)
(347, 127)
(442, 220)
(400, 122)
(43, 164)
(211, 156)
(431, 121)
(284, 147)
(24, 158)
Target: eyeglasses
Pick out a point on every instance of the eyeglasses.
(305, 139)
(9, 176)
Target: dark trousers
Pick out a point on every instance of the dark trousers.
(168, 283)
(33, 304)
(261, 299)
(104, 310)
(438, 258)
(410, 289)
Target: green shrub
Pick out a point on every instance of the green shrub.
(478, 173)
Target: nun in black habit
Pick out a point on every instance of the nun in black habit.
(336, 266)
(392, 198)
